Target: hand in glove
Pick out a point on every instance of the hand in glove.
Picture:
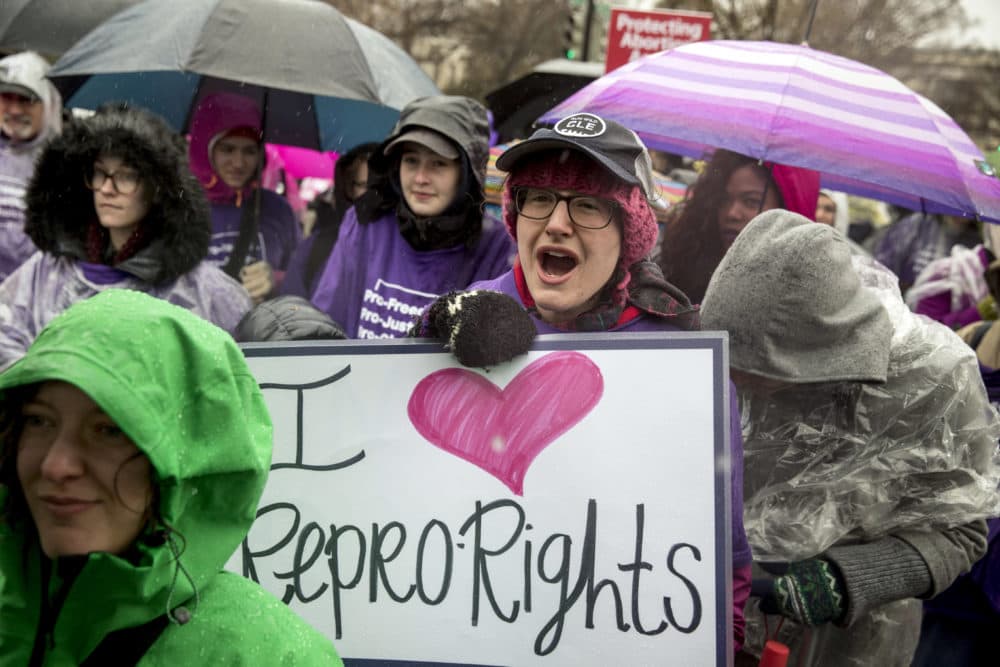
(809, 592)
(481, 328)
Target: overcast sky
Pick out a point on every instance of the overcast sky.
(985, 29)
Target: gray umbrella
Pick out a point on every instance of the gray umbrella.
(51, 26)
(327, 81)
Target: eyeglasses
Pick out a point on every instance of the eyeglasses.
(584, 210)
(125, 181)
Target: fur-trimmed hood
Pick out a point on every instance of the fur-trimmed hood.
(61, 207)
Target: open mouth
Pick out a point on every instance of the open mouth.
(557, 264)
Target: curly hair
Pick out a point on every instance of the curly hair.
(691, 247)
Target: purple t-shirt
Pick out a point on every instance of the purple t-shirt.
(277, 232)
(741, 547)
(375, 283)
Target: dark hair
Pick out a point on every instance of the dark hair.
(14, 508)
(328, 218)
(343, 173)
(691, 247)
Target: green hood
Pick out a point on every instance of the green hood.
(180, 388)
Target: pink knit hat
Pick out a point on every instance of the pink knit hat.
(571, 170)
(609, 162)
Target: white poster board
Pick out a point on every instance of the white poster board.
(567, 508)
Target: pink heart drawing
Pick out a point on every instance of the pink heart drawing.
(503, 430)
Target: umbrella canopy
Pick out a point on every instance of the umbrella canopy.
(326, 81)
(518, 104)
(51, 26)
(863, 130)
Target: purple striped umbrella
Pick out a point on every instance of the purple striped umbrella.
(863, 130)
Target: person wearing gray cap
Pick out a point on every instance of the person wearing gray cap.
(870, 445)
(31, 109)
(419, 231)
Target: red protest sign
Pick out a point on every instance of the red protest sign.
(633, 33)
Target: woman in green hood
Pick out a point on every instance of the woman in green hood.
(134, 447)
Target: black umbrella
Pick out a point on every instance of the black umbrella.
(50, 27)
(518, 104)
(325, 81)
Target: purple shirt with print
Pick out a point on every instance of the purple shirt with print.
(277, 231)
(375, 283)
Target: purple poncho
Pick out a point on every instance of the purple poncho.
(45, 286)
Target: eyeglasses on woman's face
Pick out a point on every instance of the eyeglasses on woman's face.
(585, 211)
(125, 180)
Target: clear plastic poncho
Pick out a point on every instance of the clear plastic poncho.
(851, 462)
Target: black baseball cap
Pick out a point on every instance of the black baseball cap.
(617, 148)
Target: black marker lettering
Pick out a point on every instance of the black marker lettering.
(377, 561)
(695, 598)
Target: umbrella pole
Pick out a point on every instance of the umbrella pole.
(809, 25)
(260, 166)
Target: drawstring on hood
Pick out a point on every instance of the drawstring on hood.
(179, 615)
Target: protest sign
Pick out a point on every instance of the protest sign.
(566, 508)
(635, 33)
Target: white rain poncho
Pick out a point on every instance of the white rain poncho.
(850, 462)
(869, 439)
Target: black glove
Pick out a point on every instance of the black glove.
(482, 328)
(809, 592)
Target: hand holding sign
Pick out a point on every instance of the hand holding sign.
(482, 328)
(503, 430)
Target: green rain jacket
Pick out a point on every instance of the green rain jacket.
(181, 390)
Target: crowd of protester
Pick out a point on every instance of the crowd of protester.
(866, 370)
